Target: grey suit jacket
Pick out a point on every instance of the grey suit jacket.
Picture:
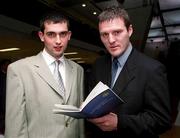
(31, 95)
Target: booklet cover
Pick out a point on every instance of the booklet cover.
(99, 102)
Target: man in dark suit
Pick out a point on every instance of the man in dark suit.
(139, 80)
(3, 69)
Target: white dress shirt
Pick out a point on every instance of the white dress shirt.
(50, 62)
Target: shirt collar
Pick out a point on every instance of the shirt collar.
(122, 59)
(50, 59)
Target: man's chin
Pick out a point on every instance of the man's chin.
(115, 53)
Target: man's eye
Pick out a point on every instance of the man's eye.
(63, 34)
(105, 35)
(115, 33)
(51, 34)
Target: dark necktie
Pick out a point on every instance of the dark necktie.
(114, 70)
(58, 78)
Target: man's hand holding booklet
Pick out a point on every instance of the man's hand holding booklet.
(99, 102)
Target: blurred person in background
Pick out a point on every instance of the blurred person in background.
(3, 70)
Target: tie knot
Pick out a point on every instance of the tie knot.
(57, 61)
(115, 62)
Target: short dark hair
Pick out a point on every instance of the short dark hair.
(114, 12)
(55, 17)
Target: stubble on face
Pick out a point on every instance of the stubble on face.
(117, 36)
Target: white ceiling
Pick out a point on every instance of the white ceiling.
(169, 4)
(170, 10)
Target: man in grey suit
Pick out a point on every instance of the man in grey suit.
(139, 80)
(32, 90)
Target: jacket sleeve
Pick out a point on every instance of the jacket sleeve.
(16, 121)
(81, 121)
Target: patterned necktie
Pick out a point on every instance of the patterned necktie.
(114, 71)
(58, 77)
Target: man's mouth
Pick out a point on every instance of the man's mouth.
(57, 48)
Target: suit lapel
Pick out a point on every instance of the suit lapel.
(126, 75)
(69, 73)
(105, 69)
(44, 72)
(108, 71)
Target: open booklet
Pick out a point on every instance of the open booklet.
(99, 102)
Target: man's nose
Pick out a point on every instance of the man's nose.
(111, 38)
(58, 39)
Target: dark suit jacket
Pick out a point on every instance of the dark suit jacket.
(2, 100)
(143, 86)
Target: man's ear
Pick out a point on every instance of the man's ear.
(130, 30)
(69, 33)
(41, 35)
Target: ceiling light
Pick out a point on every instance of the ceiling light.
(83, 5)
(94, 13)
(9, 49)
(75, 58)
(71, 53)
(80, 61)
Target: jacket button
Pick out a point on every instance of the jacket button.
(67, 124)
